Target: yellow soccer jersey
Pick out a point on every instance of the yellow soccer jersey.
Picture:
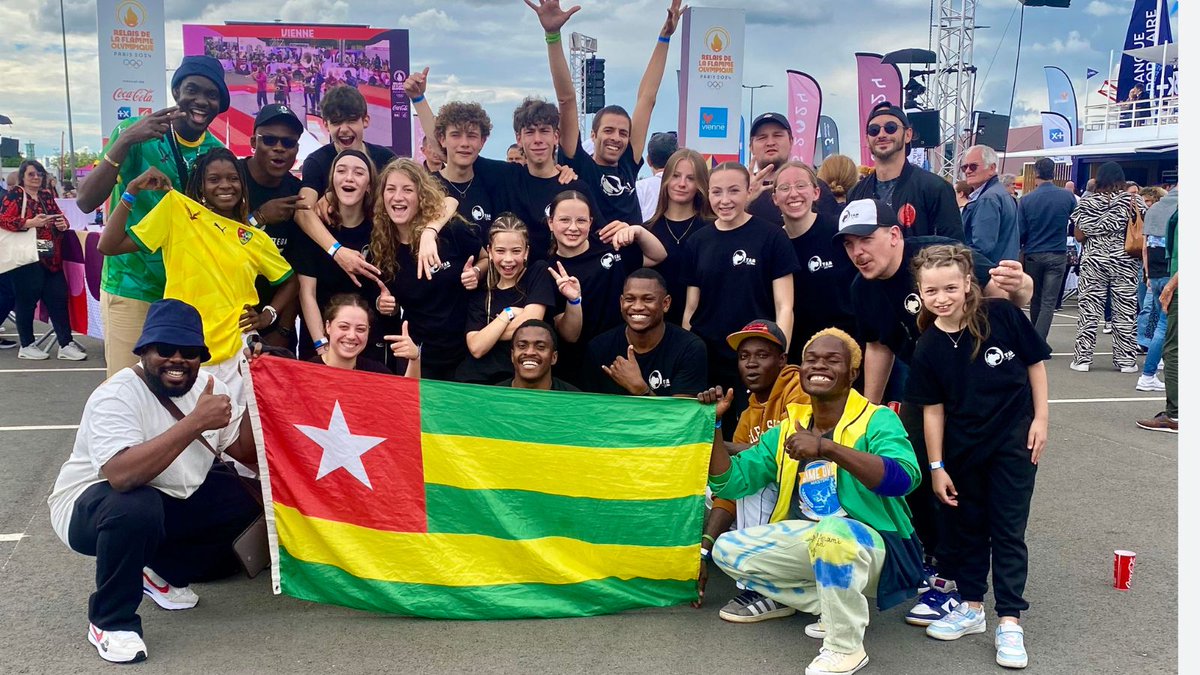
(211, 263)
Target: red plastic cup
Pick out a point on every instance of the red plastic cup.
(1123, 562)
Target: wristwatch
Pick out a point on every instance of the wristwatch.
(267, 309)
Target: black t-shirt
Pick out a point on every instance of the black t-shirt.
(555, 384)
(435, 309)
(678, 365)
(734, 270)
(535, 287)
(313, 262)
(764, 207)
(613, 187)
(283, 234)
(988, 399)
(479, 199)
(314, 173)
(674, 235)
(361, 364)
(886, 310)
(822, 285)
(529, 198)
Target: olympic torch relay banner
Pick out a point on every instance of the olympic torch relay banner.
(133, 59)
(877, 82)
(459, 501)
(804, 111)
(710, 99)
(295, 65)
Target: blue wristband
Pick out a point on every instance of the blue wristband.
(127, 198)
(334, 248)
(664, 39)
(934, 466)
(418, 99)
(718, 424)
(317, 344)
(576, 301)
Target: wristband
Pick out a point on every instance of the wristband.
(317, 344)
(508, 312)
(705, 554)
(127, 198)
(253, 220)
(334, 249)
(665, 39)
(553, 38)
(709, 538)
(576, 301)
(115, 165)
(717, 425)
(417, 99)
(271, 310)
(934, 466)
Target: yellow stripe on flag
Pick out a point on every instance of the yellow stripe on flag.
(631, 473)
(472, 560)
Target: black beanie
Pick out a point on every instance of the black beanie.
(205, 66)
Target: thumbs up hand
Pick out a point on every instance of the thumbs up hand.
(402, 345)
(212, 411)
(470, 275)
(386, 302)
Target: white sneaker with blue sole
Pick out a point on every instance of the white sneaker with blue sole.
(1010, 646)
(964, 620)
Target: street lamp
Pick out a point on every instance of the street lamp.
(67, 76)
(752, 87)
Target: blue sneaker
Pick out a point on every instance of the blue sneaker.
(936, 603)
(928, 574)
(964, 620)
(1010, 646)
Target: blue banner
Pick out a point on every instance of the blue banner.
(1062, 94)
(1149, 25)
(827, 139)
(1057, 132)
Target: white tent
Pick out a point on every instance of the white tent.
(1167, 54)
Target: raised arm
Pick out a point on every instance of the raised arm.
(648, 89)
(553, 17)
(115, 239)
(414, 88)
(98, 185)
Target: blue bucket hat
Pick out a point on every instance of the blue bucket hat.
(205, 66)
(172, 322)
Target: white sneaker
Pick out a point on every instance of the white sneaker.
(1129, 369)
(32, 353)
(1081, 367)
(73, 351)
(815, 631)
(165, 595)
(117, 646)
(1108, 328)
(829, 662)
(1150, 383)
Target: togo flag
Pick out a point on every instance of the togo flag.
(461, 501)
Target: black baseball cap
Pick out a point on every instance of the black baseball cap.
(278, 112)
(889, 108)
(862, 217)
(775, 117)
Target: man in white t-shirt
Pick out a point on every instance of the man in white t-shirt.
(141, 491)
(662, 145)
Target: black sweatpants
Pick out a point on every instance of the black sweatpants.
(994, 491)
(925, 507)
(33, 283)
(183, 540)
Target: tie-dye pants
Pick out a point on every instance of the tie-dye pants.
(828, 568)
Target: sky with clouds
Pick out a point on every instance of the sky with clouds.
(491, 51)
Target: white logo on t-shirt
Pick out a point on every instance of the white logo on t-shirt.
(478, 214)
(657, 381)
(608, 259)
(547, 212)
(613, 186)
(740, 258)
(912, 304)
(815, 264)
(444, 266)
(994, 356)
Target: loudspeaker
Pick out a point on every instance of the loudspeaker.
(991, 130)
(927, 132)
(9, 147)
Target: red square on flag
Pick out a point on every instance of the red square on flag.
(342, 445)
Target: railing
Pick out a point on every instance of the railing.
(1154, 112)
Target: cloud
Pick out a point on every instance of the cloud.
(1074, 44)
(1099, 8)
(315, 11)
(428, 21)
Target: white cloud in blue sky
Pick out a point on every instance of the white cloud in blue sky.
(491, 51)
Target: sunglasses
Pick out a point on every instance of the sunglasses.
(167, 351)
(889, 127)
(972, 167)
(271, 141)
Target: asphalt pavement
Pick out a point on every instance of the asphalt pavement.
(1103, 484)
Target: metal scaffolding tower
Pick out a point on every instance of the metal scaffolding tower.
(582, 48)
(954, 83)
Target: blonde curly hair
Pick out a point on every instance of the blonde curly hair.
(385, 235)
(852, 348)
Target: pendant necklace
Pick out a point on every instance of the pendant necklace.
(463, 192)
(679, 239)
(955, 342)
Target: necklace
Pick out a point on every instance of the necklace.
(462, 192)
(679, 239)
(955, 342)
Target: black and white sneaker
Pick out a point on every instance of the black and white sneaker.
(752, 607)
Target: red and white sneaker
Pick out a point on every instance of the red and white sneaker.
(117, 646)
(165, 595)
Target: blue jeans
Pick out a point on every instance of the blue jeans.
(1149, 311)
(1155, 319)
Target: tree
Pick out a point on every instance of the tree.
(83, 160)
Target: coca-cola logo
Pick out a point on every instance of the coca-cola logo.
(142, 95)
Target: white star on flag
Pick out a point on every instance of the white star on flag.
(340, 449)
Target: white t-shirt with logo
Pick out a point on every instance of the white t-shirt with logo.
(121, 413)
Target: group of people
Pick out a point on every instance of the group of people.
(880, 399)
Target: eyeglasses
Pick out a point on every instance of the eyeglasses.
(889, 127)
(970, 168)
(787, 189)
(167, 351)
(271, 141)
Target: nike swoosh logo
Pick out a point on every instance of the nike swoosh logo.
(161, 589)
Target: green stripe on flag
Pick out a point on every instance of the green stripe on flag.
(561, 418)
(519, 514)
(328, 584)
